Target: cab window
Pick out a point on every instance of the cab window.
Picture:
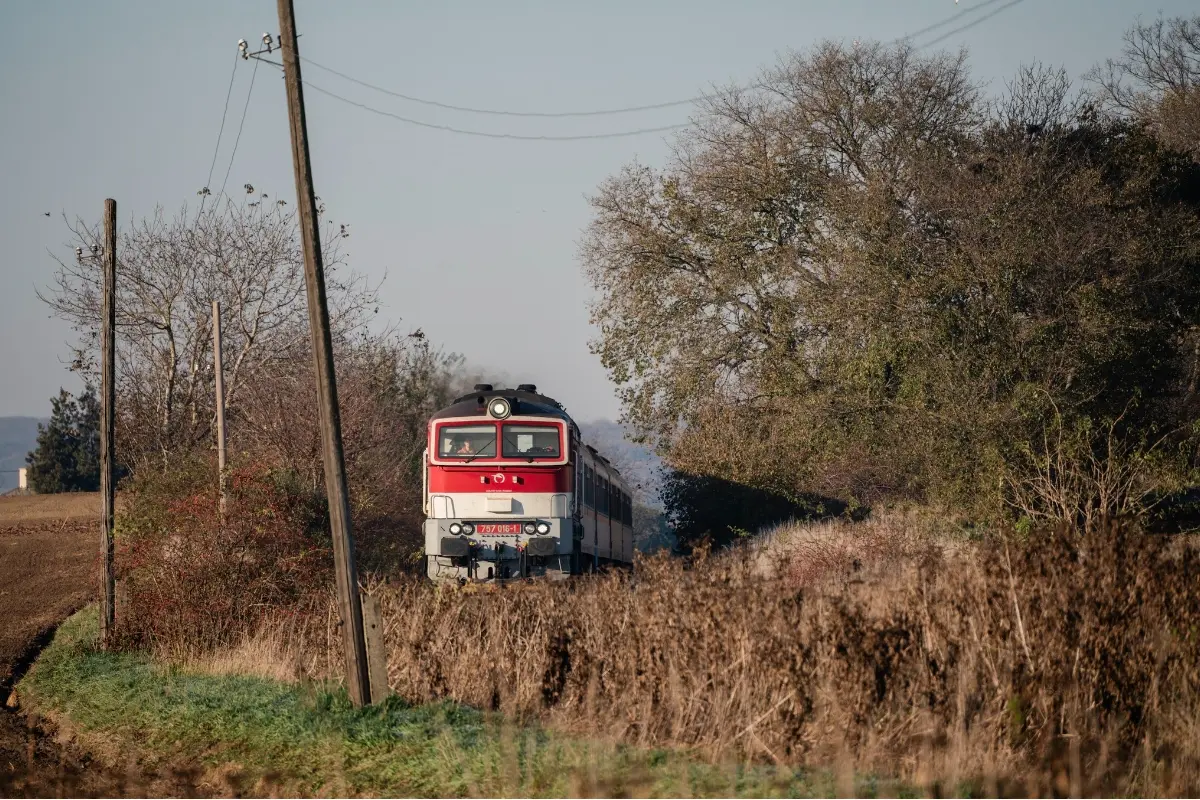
(467, 441)
(531, 441)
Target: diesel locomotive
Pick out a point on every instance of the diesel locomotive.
(511, 491)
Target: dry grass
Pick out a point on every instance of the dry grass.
(808, 554)
(1065, 664)
(269, 653)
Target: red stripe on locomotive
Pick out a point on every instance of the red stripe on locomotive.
(455, 480)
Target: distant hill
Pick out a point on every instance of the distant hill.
(18, 435)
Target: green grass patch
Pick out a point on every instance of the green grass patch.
(268, 737)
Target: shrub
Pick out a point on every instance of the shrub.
(706, 508)
(197, 579)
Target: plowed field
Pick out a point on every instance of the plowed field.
(49, 558)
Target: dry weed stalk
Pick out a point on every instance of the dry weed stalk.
(922, 670)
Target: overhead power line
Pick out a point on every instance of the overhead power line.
(971, 24)
(608, 111)
(563, 114)
(245, 108)
(947, 20)
(503, 113)
(220, 132)
(489, 135)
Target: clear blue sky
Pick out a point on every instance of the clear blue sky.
(124, 99)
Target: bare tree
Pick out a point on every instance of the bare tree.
(1039, 98)
(388, 385)
(169, 270)
(1156, 79)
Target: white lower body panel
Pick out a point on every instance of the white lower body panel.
(475, 557)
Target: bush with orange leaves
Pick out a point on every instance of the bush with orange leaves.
(194, 579)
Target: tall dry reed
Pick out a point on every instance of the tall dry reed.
(1068, 663)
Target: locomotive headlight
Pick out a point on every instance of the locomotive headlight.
(468, 528)
(455, 528)
(543, 528)
(529, 527)
(499, 408)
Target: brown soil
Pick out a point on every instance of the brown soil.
(34, 763)
(49, 554)
(48, 572)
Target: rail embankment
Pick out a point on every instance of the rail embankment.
(1059, 662)
(1054, 661)
(243, 735)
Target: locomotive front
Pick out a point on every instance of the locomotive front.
(499, 489)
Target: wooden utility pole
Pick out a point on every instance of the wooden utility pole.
(349, 602)
(108, 398)
(220, 381)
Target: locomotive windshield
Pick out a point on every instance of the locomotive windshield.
(467, 441)
(531, 441)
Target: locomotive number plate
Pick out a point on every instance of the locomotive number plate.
(514, 527)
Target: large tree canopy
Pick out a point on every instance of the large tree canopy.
(861, 278)
(1156, 80)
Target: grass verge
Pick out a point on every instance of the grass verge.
(245, 735)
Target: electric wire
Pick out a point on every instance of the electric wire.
(503, 113)
(947, 20)
(221, 132)
(245, 108)
(970, 25)
(604, 112)
(598, 112)
(487, 134)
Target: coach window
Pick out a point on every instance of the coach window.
(589, 495)
(467, 441)
(602, 496)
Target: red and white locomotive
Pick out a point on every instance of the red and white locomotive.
(510, 491)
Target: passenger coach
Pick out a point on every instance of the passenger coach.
(510, 490)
